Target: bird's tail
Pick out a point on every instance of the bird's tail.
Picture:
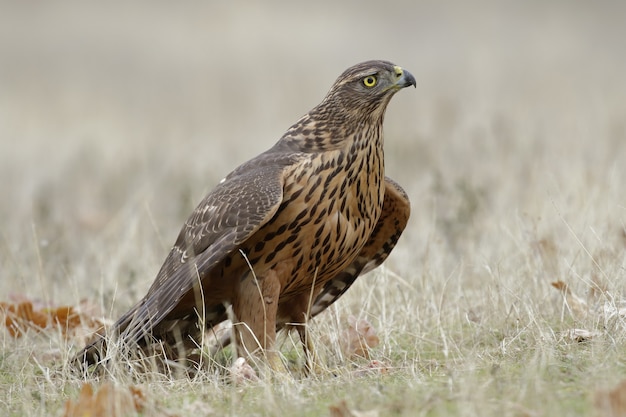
(92, 354)
(96, 351)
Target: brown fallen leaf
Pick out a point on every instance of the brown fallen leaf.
(17, 317)
(577, 306)
(25, 314)
(108, 401)
(611, 403)
(358, 338)
(342, 410)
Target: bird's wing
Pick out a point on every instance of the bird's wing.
(391, 224)
(241, 204)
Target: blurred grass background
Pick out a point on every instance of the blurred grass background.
(116, 118)
(120, 115)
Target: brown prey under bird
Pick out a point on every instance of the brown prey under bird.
(280, 238)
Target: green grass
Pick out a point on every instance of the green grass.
(512, 150)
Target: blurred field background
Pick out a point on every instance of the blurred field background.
(116, 118)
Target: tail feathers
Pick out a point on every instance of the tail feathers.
(92, 354)
(105, 350)
(95, 353)
(133, 337)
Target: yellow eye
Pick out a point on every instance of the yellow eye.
(370, 81)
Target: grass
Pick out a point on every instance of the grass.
(512, 150)
(507, 371)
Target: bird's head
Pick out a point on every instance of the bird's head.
(356, 100)
(364, 90)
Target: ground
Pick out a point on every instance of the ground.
(505, 295)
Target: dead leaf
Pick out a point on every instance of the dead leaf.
(561, 286)
(342, 410)
(359, 338)
(25, 314)
(374, 367)
(611, 403)
(577, 306)
(582, 335)
(109, 400)
(17, 317)
(241, 371)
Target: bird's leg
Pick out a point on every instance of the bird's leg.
(255, 307)
(300, 313)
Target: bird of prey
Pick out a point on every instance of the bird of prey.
(281, 237)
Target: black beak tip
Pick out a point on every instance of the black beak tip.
(410, 79)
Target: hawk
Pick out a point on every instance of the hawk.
(284, 235)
